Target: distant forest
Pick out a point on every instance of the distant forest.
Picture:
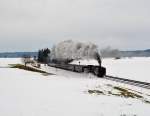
(17, 54)
(137, 53)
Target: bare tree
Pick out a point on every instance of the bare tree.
(73, 50)
(26, 59)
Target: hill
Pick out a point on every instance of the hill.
(17, 54)
(136, 53)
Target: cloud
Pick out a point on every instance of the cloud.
(31, 24)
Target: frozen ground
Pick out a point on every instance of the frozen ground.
(24, 93)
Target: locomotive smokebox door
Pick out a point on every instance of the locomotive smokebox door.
(102, 71)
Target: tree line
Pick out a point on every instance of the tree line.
(43, 55)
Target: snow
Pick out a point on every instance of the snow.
(130, 68)
(85, 62)
(24, 93)
(4, 62)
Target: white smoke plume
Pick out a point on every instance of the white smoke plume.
(109, 52)
(74, 50)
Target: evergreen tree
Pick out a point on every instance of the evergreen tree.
(43, 55)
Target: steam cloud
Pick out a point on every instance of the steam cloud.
(74, 50)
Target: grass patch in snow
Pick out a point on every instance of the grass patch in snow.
(125, 93)
(27, 68)
(110, 90)
(95, 92)
(146, 101)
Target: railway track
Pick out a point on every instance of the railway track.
(79, 69)
(128, 81)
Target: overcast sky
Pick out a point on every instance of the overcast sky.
(27, 25)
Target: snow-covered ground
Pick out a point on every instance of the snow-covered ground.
(4, 62)
(24, 93)
(85, 62)
(131, 68)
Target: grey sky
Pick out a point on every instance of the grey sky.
(27, 25)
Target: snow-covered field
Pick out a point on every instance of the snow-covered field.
(24, 93)
(4, 62)
(131, 68)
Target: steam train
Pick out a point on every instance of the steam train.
(99, 71)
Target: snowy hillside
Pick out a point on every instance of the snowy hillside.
(65, 93)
